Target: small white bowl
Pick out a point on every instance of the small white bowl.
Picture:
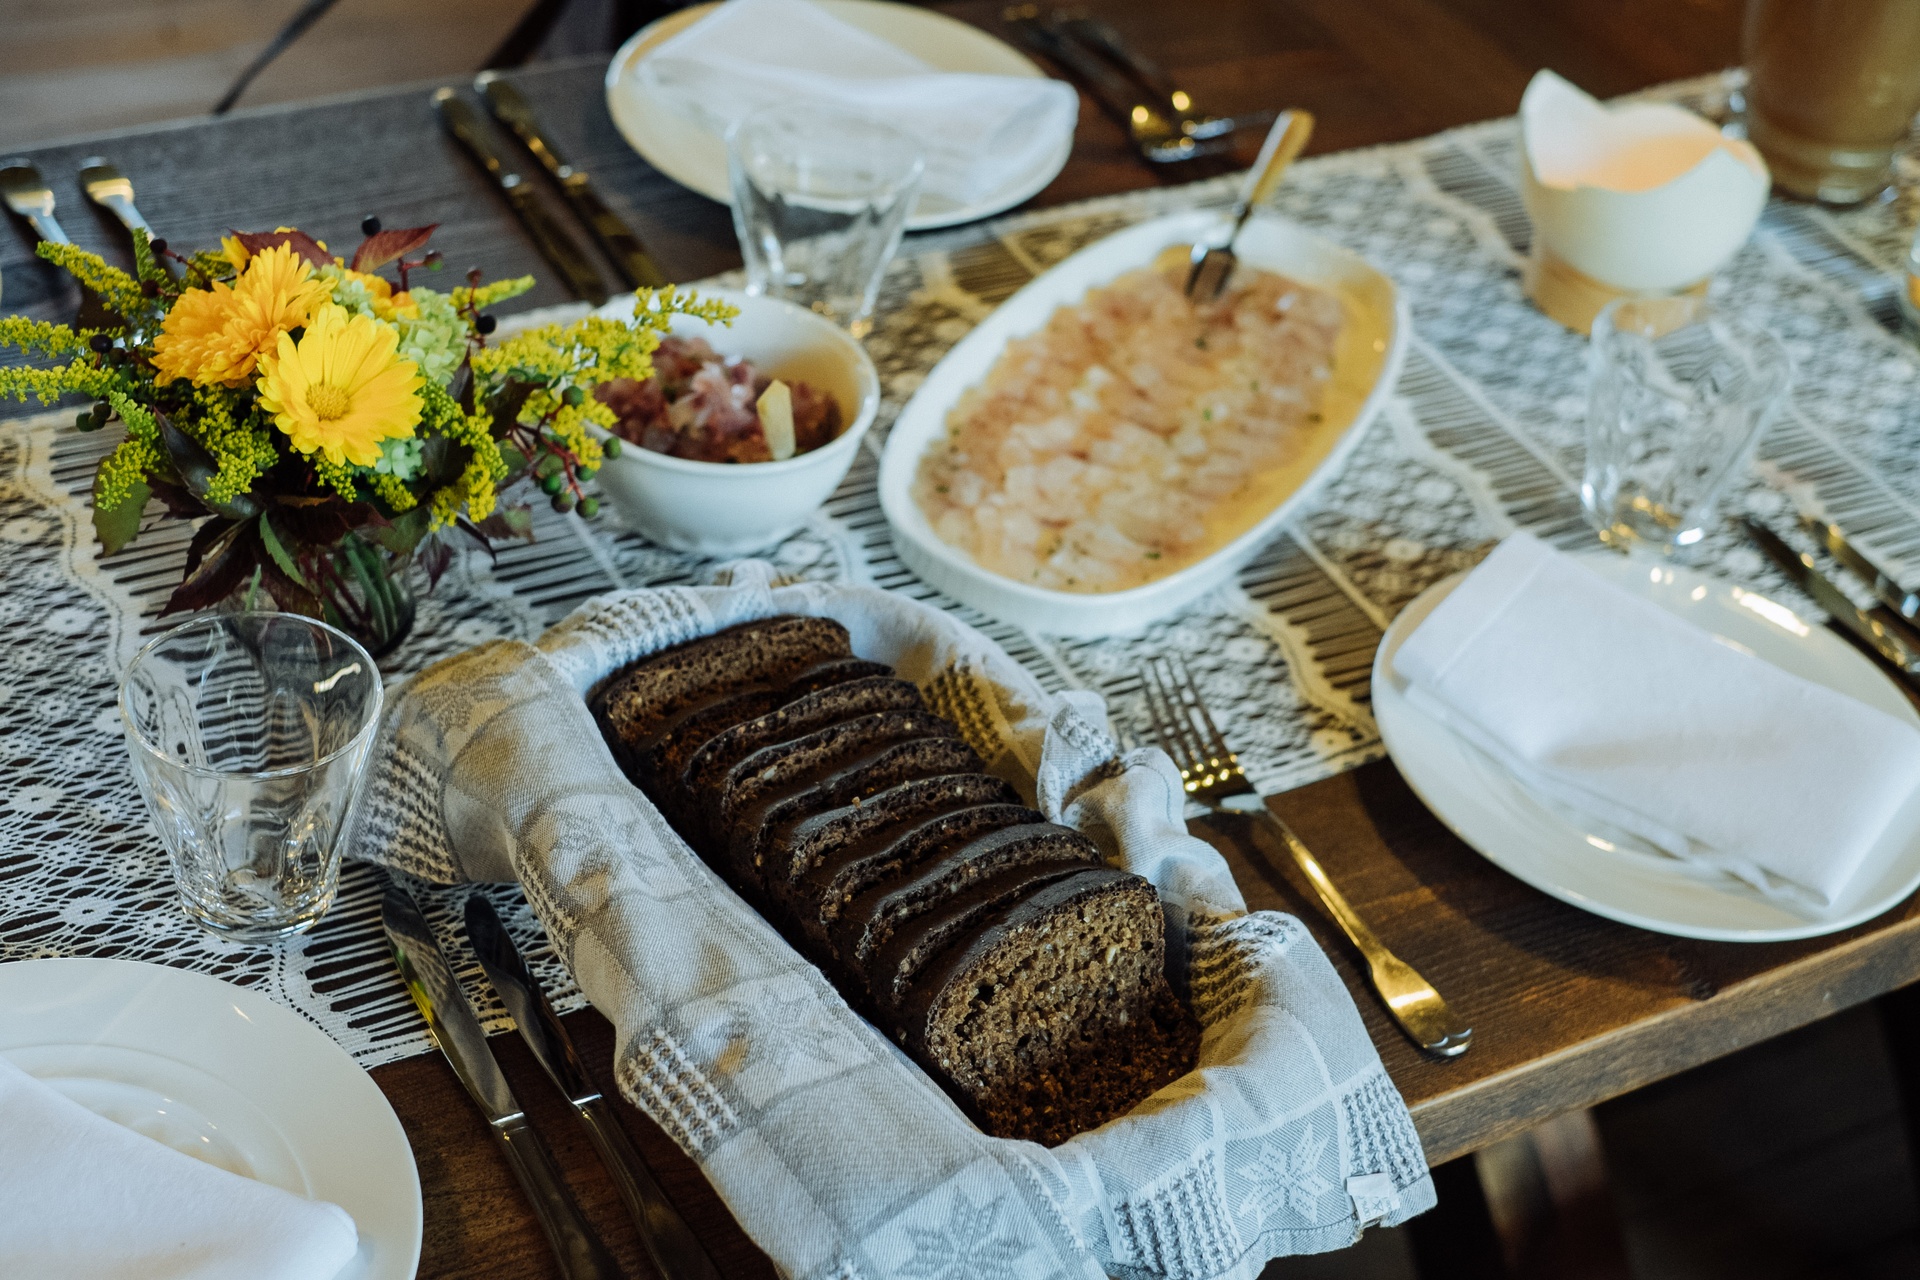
(733, 508)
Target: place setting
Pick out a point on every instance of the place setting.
(904, 696)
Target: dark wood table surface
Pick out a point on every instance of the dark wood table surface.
(1569, 1009)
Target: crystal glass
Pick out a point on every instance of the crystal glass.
(249, 734)
(1679, 396)
(820, 199)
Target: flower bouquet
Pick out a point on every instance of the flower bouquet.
(329, 426)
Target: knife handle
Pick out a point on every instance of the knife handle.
(581, 1254)
(676, 1253)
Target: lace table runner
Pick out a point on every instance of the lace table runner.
(1483, 436)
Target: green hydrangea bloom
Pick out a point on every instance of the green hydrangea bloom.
(399, 457)
(436, 338)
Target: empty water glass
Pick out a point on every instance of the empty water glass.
(820, 199)
(249, 734)
(1680, 393)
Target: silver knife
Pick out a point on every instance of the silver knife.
(511, 108)
(27, 194)
(1870, 626)
(1885, 589)
(432, 985)
(112, 190)
(552, 239)
(673, 1248)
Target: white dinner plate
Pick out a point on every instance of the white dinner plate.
(1581, 861)
(696, 157)
(1367, 358)
(226, 1075)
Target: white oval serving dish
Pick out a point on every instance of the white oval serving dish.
(729, 508)
(1371, 348)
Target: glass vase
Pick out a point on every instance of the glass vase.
(368, 593)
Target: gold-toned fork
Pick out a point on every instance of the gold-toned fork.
(1213, 776)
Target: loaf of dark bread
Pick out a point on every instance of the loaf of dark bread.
(993, 945)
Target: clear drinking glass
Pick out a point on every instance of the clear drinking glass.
(820, 199)
(1679, 396)
(249, 734)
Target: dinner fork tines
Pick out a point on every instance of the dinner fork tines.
(1213, 776)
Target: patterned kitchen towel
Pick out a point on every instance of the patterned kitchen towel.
(838, 1155)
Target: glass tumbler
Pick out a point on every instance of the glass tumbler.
(249, 734)
(1678, 398)
(820, 199)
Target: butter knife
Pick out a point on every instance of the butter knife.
(1885, 589)
(112, 190)
(672, 1246)
(27, 194)
(1872, 627)
(431, 984)
(511, 108)
(552, 239)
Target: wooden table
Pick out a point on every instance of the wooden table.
(1569, 1009)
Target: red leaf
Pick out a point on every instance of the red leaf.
(300, 242)
(287, 593)
(222, 565)
(382, 247)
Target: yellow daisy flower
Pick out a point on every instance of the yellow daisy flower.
(341, 389)
(217, 335)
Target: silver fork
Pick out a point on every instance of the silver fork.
(27, 194)
(1213, 776)
(112, 190)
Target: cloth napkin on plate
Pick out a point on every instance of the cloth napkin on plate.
(980, 133)
(1613, 706)
(82, 1198)
(838, 1156)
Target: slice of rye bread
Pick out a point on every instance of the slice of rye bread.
(1020, 1016)
(786, 765)
(666, 753)
(871, 919)
(636, 704)
(889, 971)
(829, 785)
(707, 768)
(866, 825)
(817, 897)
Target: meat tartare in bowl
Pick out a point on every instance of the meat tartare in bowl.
(744, 430)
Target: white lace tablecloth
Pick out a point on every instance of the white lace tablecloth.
(1483, 436)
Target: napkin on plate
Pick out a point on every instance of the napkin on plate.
(981, 133)
(84, 1198)
(1611, 705)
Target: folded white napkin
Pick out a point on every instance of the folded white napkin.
(980, 133)
(1610, 704)
(84, 1198)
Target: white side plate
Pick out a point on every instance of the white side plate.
(696, 157)
(226, 1075)
(1579, 862)
(1367, 363)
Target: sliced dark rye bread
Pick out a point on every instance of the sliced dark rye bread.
(889, 972)
(1018, 1017)
(839, 834)
(705, 773)
(638, 703)
(812, 754)
(871, 919)
(666, 753)
(830, 785)
(824, 891)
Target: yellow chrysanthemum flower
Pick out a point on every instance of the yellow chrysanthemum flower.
(217, 335)
(341, 389)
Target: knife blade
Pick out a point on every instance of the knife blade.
(457, 1032)
(1869, 626)
(675, 1251)
(552, 239)
(511, 108)
(1885, 589)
